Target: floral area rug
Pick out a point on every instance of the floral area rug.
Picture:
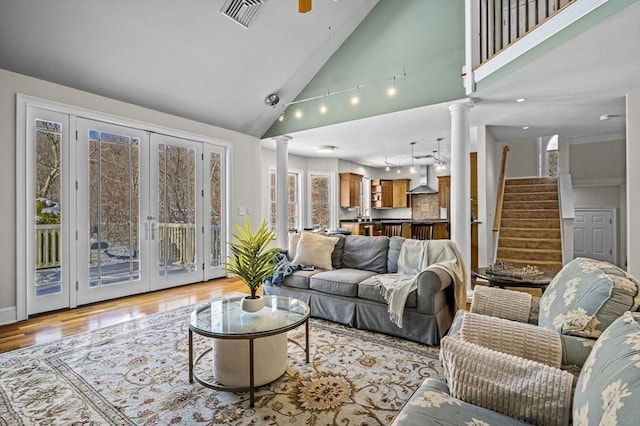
(137, 373)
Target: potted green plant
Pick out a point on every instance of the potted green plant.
(252, 260)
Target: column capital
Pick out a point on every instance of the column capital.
(282, 138)
(461, 105)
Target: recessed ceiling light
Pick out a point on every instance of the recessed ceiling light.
(327, 149)
(521, 99)
(525, 127)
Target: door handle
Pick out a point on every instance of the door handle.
(154, 227)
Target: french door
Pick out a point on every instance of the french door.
(119, 211)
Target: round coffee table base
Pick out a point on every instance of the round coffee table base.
(231, 360)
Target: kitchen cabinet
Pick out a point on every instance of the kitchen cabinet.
(359, 228)
(444, 183)
(381, 193)
(350, 188)
(400, 197)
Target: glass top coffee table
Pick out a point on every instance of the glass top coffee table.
(263, 331)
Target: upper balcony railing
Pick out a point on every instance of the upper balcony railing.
(502, 22)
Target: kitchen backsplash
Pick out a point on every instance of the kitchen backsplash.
(425, 206)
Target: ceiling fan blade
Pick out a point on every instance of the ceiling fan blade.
(304, 6)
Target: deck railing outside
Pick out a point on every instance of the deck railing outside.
(502, 22)
(179, 246)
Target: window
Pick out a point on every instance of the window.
(320, 190)
(294, 199)
(548, 156)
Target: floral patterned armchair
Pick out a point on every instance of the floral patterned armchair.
(581, 301)
(486, 387)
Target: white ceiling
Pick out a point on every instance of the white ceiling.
(567, 90)
(185, 58)
(182, 57)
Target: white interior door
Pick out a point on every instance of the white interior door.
(175, 222)
(593, 232)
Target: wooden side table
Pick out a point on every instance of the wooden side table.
(502, 281)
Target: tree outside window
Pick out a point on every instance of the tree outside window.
(320, 201)
(294, 200)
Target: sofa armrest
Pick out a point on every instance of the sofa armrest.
(520, 388)
(434, 291)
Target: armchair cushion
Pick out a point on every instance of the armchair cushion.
(608, 389)
(586, 296)
(432, 404)
(523, 389)
(524, 340)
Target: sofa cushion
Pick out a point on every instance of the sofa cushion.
(608, 389)
(341, 282)
(315, 250)
(299, 278)
(368, 290)
(395, 244)
(366, 253)
(586, 296)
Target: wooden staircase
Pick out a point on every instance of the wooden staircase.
(530, 224)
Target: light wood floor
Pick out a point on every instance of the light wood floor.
(51, 326)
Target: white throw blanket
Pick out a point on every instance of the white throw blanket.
(417, 256)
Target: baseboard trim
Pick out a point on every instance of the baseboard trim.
(8, 315)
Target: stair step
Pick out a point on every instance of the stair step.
(530, 204)
(530, 223)
(529, 255)
(530, 196)
(524, 189)
(530, 243)
(549, 267)
(531, 181)
(531, 214)
(529, 233)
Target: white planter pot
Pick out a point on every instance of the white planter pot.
(252, 305)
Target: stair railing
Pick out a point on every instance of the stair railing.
(499, 200)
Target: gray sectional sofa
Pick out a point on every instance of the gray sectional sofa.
(348, 295)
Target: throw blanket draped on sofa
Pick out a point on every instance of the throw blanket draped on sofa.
(417, 256)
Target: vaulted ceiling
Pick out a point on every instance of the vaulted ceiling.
(184, 57)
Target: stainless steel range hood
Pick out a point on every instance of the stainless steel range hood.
(423, 187)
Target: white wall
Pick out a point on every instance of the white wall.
(489, 161)
(522, 160)
(245, 185)
(633, 179)
(598, 174)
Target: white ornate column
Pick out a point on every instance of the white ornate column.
(460, 193)
(282, 193)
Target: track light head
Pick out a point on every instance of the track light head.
(272, 99)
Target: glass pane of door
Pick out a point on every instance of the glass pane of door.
(114, 208)
(176, 210)
(110, 207)
(215, 208)
(48, 287)
(215, 204)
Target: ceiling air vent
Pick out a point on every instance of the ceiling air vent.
(241, 11)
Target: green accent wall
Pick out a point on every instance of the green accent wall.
(421, 42)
